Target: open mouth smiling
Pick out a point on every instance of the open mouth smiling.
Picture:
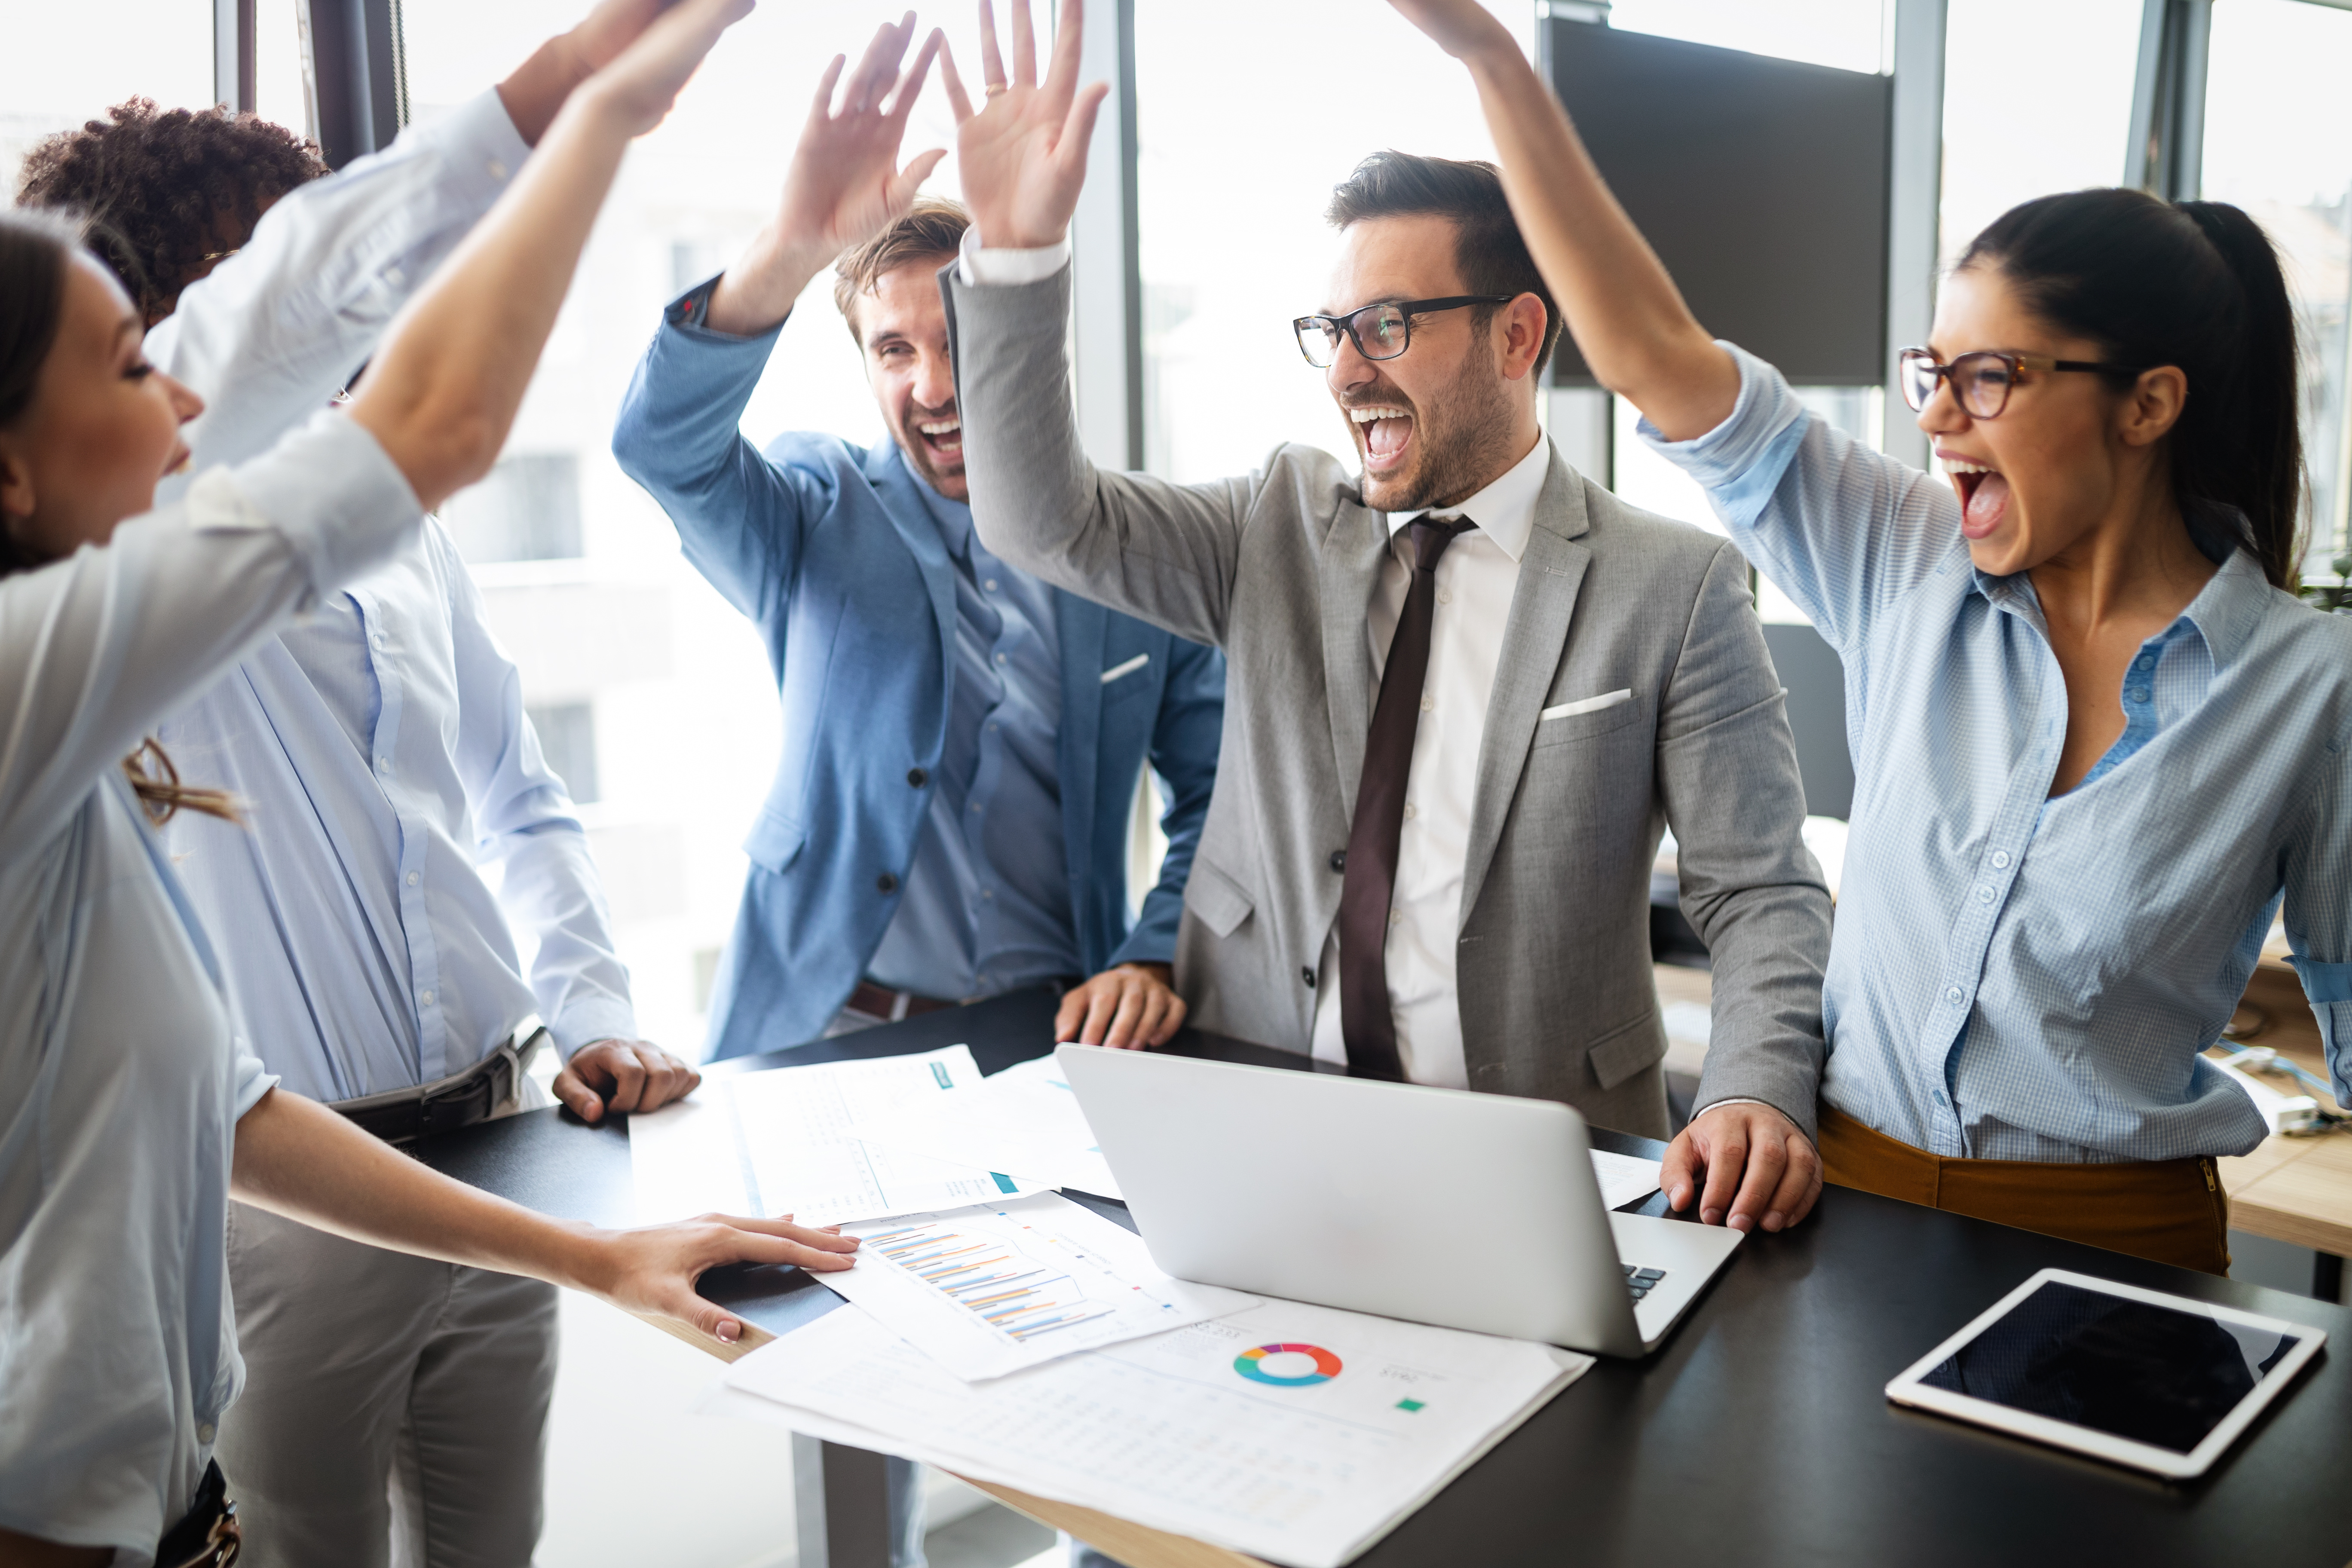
(1384, 430)
(943, 436)
(1984, 494)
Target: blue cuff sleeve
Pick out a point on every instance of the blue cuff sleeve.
(1746, 455)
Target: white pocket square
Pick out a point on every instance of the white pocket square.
(1587, 705)
(1130, 668)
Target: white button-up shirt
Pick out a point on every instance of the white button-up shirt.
(381, 744)
(1477, 578)
(122, 1077)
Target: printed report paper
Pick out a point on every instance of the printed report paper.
(1301, 1434)
(1623, 1177)
(990, 1289)
(778, 1142)
(1025, 1122)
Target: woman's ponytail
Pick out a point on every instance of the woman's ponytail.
(2264, 479)
(2192, 284)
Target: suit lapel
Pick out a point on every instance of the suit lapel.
(1348, 567)
(885, 469)
(1081, 624)
(1551, 573)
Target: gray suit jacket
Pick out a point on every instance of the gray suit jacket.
(1277, 568)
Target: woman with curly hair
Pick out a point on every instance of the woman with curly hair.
(172, 192)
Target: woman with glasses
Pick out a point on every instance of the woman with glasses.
(2097, 739)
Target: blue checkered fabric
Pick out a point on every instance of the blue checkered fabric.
(2014, 976)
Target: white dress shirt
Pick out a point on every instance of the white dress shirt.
(282, 325)
(1477, 578)
(121, 1076)
(380, 742)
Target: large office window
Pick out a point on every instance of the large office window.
(1248, 114)
(2037, 97)
(64, 64)
(2277, 143)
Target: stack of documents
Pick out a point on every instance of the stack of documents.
(1295, 1433)
(1027, 1341)
(1024, 1120)
(778, 1142)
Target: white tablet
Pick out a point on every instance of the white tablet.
(2159, 1383)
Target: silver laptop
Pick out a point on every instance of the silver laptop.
(1471, 1211)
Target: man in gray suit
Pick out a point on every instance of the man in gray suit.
(1468, 688)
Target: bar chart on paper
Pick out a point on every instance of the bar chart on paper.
(991, 1288)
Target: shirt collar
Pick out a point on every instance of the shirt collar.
(953, 518)
(2223, 613)
(1505, 511)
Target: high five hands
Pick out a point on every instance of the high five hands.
(844, 185)
(1022, 156)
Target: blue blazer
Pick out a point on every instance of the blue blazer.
(831, 551)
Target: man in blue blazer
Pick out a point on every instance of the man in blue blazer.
(949, 817)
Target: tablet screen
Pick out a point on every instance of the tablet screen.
(2153, 1374)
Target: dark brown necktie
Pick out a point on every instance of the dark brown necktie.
(1366, 1022)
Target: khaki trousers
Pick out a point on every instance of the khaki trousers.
(2169, 1211)
(394, 1409)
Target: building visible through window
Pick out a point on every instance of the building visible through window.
(567, 738)
(527, 510)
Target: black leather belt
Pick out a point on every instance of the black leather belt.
(404, 1115)
(881, 1002)
(207, 1536)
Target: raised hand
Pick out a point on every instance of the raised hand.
(1461, 28)
(844, 185)
(1024, 155)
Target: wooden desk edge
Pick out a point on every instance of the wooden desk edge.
(1137, 1545)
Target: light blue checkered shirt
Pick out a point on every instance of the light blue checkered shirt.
(2014, 976)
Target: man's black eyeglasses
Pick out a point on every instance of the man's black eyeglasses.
(1379, 331)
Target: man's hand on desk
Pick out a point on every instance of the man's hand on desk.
(1760, 1170)
(622, 1075)
(652, 1272)
(1127, 1008)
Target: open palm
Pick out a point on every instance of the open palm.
(1022, 157)
(844, 185)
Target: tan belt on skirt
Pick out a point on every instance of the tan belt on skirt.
(2169, 1211)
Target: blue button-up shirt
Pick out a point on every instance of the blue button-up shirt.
(987, 905)
(2016, 975)
(381, 744)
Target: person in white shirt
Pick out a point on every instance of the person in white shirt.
(130, 1108)
(1469, 688)
(381, 751)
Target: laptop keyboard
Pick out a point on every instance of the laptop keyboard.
(1640, 1281)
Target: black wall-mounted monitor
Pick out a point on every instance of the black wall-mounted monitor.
(1761, 182)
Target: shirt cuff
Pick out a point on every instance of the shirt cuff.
(483, 128)
(1728, 452)
(331, 491)
(690, 313)
(591, 1019)
(988, 267)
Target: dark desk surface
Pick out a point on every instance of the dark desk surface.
(1760, 1434)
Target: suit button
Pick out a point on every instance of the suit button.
(1340, 861)
(1308, 974)
(918, 777)
(887, 882)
